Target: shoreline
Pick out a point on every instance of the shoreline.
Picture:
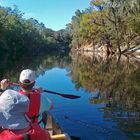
(101, 51)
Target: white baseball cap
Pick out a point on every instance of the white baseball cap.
(27, 75)
(13, 108)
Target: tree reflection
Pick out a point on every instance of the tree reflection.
(11, 67)
(116, 84)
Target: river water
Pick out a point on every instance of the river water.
(109, 90)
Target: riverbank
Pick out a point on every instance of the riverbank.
(132, 53)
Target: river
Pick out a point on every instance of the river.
(109, 103)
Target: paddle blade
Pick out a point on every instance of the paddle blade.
(69, 96)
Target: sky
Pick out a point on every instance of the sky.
(55, 14)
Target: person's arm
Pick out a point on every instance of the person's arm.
(3, 85)
(39, 90)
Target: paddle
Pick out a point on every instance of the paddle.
(63, 95)
(69, 96)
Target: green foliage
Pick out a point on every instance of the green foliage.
(113, 23)
(108, 78)
(19, 36)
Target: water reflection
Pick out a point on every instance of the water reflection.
(114, 88)
(10, 67)
(116, 84)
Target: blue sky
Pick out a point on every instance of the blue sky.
(55, 14)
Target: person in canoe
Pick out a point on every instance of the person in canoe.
(14, 122)
(39, 103)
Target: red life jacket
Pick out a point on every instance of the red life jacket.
(35, 133)
(34, 105)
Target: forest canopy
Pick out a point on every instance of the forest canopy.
(20, 36)
(112, 23)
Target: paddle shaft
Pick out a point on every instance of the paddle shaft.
(69, 96)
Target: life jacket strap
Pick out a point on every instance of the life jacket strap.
(28, 95)
(33, 118)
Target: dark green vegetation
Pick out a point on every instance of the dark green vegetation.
(11, 69)
(112, 23)
(21, 37)
(115, 24)
(115, 84)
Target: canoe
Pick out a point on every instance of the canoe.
(53, 127)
